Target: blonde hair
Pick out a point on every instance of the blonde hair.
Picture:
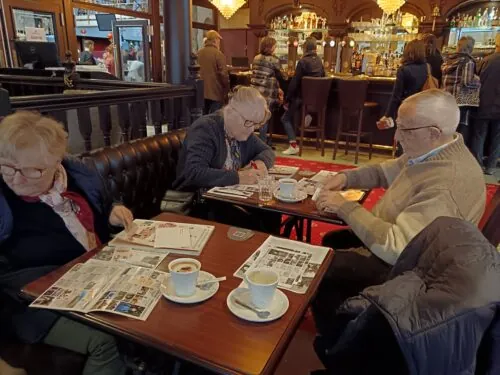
(432, 108)
(250, 104)
(23, 130)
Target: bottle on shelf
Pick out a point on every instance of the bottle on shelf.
(478, 19)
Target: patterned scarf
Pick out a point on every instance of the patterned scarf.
(73, 210)
(233, 159)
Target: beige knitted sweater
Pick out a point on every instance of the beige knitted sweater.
(450, 183)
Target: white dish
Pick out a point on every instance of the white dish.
(277, 308)
(300, 195)
(201, 294)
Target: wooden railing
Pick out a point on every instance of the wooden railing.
(99, 113)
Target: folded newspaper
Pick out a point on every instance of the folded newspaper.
(112, 287)
(297, 263)
(165, 237)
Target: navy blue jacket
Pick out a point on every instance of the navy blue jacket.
(441, 302)
(32, 325)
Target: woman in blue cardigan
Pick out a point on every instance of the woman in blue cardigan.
(52, 210)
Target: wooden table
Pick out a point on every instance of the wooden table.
(207, 334)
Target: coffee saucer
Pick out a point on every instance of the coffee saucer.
(277, 308)
(300, 195)
(168, 291)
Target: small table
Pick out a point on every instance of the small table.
(303, 210)
(207, 334)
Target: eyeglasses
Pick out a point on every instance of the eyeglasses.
(422, 127)
(30, 173)
(253, 124)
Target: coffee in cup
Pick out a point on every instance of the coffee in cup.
(262, 283)
(287, 187)
(184, 273)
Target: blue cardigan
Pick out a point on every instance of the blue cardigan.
(31, 325)
(204, 153)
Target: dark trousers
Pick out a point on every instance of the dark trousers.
(353, 269)
(211, 106)
(482, 129)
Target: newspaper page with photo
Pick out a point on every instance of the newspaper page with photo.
(129, 255)
(297, 263)
(165, 237)
(283, 171)
(107, 287)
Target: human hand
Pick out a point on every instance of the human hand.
(121, 216)
(336, 183)
(285, 106)
(281, 96)
(385, 123)
(249, 176)
(261, 166)
(329, 202)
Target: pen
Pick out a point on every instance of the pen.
(254, 165)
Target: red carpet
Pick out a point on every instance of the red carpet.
(320, 229)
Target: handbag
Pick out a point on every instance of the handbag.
(178, 202)
(430, 82)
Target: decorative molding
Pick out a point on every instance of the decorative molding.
(338, 7)
(261, 7)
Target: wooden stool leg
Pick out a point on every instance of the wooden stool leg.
(323, 117)
(302, 126)
(358, 135)
(337, 137)
(371, 147)
(347, 137)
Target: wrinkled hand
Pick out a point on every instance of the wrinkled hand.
(261, 166)
(336, 183)
(249, 176)
(329, 202)
(121, 216)
(384, 123)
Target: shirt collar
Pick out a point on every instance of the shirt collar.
(431, 153)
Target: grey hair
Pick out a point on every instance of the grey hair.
(466, 45)
(433, 107)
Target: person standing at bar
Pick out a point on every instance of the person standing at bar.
(460, 80)
(310, 65)
(87, 56)
(489, 111)
(433, 56)
(267, 77)
(213, 71)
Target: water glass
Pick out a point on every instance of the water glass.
(266, 186)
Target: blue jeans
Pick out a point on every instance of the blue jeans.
(287, 121)
(480, 131)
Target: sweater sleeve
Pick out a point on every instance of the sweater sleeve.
(388, 240)
(374, 176)
(258, 150)
(201, 148)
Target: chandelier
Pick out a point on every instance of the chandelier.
(390, 6)
(228, 7)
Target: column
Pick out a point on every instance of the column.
(177, 23)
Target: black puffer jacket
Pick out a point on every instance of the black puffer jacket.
(441, 304)
(310, 65)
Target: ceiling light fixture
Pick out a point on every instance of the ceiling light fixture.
(390, 6)
(228, 7)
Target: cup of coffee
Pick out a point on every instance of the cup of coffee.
(262, 283)
(184, 273)
(288, 187)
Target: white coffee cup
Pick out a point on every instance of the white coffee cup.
(262, 283)
(288, 187)
(184, 273)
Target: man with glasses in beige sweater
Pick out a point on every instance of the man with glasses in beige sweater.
(436, 176)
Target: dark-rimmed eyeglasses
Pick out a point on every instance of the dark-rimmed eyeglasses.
(30, 173)
(422, 127)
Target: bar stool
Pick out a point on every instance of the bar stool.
(352, 100)
(315, 94)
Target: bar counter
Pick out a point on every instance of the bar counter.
(379, 91)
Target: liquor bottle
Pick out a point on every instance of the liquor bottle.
(453, 22)
(477, 19)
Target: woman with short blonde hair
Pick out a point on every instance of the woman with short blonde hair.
(52, 210)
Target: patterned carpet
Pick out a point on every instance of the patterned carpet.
(320, 229)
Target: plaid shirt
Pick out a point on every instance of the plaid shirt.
(265, 76)
(459, 74)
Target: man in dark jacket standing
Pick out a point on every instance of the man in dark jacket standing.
(310, 65)
(213, 71)
(489, 111)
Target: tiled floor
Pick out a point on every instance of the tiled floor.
(310, 153)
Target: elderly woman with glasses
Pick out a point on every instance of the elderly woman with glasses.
(52, 210)
(220, 148)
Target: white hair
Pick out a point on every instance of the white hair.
(433, 107)
(250, 104)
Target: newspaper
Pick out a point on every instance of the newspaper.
(231, 192)
(322, 176)
(129, 255)
(145, 237)
(107, 287)
(283, 171)
(297, 263)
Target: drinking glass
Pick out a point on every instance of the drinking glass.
(266, 186)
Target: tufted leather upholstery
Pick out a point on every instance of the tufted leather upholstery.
(140, 172)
